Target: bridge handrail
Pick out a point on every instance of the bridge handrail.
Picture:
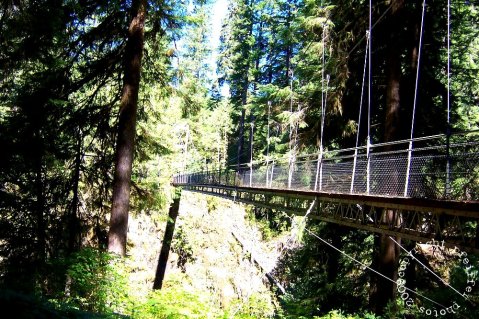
(434, 170)
(326, 153)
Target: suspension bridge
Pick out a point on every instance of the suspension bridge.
(430, 192)
(419, 189)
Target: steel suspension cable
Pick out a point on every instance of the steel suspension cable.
(313, 234)
(251, 155)
(313, 204)
(291, 129)
(360, 112)
(318, 178)
(408, 170)
(370, 40)
(268, 142)
(372, 27)
(368, 140)
(448, 128)
(322, 71)
(427, 268)
(320, 160)
(448, 61)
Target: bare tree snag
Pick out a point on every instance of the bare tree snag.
(167, 240)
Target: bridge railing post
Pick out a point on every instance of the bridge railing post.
(271, 175)
(290, 170)
(318, 164)
(319, 171)
(408, 169)
(317, 174)
(368, 165)
(351, 190)
(447, 187)
(267, 171)
(250, 174)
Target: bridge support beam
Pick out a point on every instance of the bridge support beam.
(414, 219)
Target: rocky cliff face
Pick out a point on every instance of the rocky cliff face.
(209, 228)
(215, 251)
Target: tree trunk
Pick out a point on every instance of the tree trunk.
(246, 55)
(332, 265)
(251, 134)
(126, 130)
(387, 251)
(74, 223)
(387, 264)
(40, 208)
(241, 133)
(167, 240)
(393, 95)
(289, 52)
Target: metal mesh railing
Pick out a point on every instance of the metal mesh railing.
(434, 167)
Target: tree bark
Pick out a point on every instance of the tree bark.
(167, 240)
(40, 210)
(126, 130)
(74, 233)
(241, 134)
(246, 55)
(387, 257)
(332, 265)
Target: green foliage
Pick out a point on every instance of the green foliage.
(269, 223)
(319, 279)
(182, 247)
(333, 314)
(179, 301)
(27, 306)
(176, 303)
(256, 306)
(212, 203)
(96, 281)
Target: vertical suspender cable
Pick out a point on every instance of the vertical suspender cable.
(448, 128)
(368, 141)
(448, 61)
(360, 112)
(272, 174)
(320, 155)
(267, 147)
(408, 170)
(291, 148)
(290, 73)
(251, 156)
(323, 63)
(322, 130)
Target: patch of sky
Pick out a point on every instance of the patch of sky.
(217, 17)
